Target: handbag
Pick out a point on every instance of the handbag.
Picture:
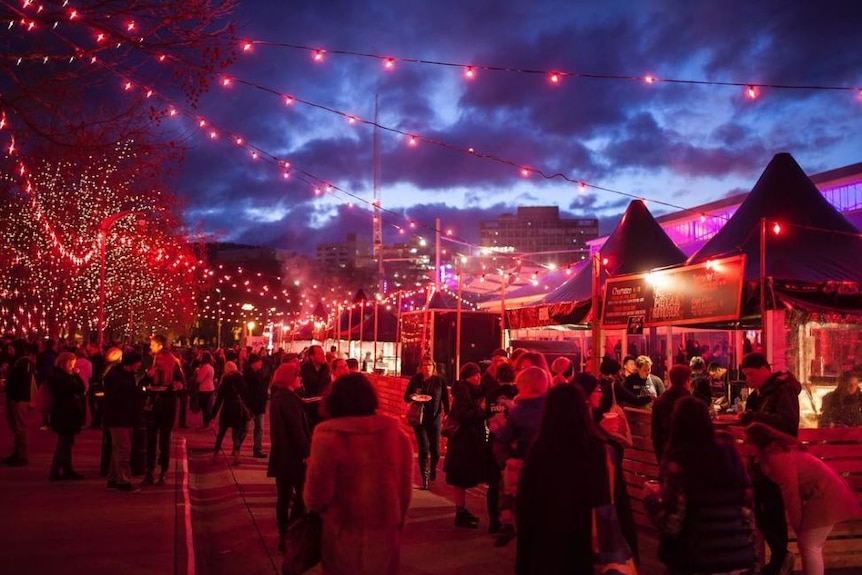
(302, 544)
(450, 427)
(623, 434)
(612, 554)
(415, 414)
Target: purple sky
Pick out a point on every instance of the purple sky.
(678, 143)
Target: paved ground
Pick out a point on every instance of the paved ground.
(82, 527)
(210, 519)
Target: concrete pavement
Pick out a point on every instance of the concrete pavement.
(226, 511)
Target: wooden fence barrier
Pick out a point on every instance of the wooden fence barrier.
(840, 448)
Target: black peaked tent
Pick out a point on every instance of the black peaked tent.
(812, 263)
(638, 244)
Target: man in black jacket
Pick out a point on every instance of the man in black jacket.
(257, 386)
(316, 380)
(122, 404)
(774, 402)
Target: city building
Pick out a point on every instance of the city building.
(353, 253)
(539, 234)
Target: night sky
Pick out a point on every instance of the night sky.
(679, 143)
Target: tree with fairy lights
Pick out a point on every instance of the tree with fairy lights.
(83, 87)
(50, 225)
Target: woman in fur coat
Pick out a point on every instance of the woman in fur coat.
(359, 479)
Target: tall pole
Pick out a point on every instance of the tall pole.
(596, 356)
(504, 279)
(378, 222)
(458, 321)
(437, 255)
(101, 327)
(376, 310)
(398, 332)
(763, 322)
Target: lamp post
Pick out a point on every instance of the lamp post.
(104, 228)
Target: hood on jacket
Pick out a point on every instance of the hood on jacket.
(780, 379)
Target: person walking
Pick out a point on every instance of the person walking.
(465, 452)
(290, 444)
(120, 414)
(68, 414)
(702, 504)
(205, 383)
(815, 496)
(429, 389)
(165, 378)
(231, 401)
(359, 480)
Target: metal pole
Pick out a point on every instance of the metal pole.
(376, 310)
(349, 328)
(595, 320)
(101, 327)
(437, 255)
(504, 279)
(458, 324)
(398, 332)
(361, 327)
(763, 322)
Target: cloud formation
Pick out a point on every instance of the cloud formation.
(679, 143)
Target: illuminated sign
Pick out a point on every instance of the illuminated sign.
(701, 293)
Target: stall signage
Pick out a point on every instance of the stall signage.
(705, 292)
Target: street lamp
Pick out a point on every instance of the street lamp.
(104, 228)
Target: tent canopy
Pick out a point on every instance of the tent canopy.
(812, 262)
(815, 243)
(637, 244)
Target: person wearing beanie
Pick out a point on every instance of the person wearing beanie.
(465, 464)
(121, 404)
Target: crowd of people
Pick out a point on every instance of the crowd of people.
(548, 441)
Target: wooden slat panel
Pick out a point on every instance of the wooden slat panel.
(841, 449)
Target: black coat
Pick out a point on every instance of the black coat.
(122, 403)
(67, 394)
(257, 388)
(18, 379)
(557, 491)
(466, 453)
(289, 434)
(230, 398)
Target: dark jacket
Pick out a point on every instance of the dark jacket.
(67, 395)
(18, 379)
(290, 435)
(517, 435)
(231, 396)
(436, 388)
(662, 410)
(257, 390)
(314, 381)
(558, 488)
(465, 463)
(122, 401)
(776, 403)
(704, 512)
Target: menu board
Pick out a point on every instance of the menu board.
(705, 292)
